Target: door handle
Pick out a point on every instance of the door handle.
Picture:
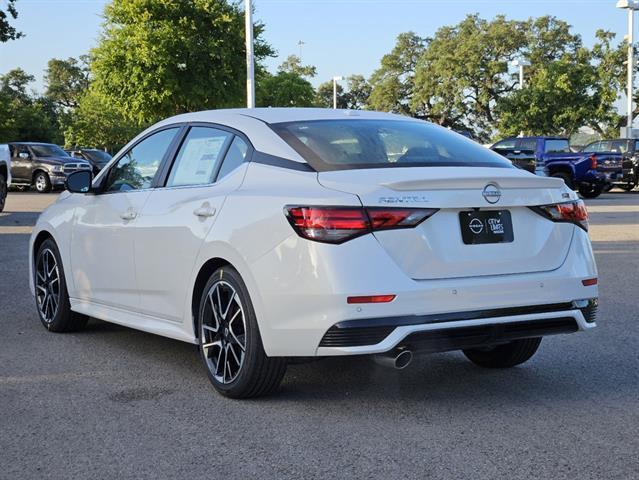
(204, 211)
(128, 215)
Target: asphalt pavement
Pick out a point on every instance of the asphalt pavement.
(112, 402)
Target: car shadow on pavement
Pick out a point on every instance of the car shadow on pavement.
(18, 219)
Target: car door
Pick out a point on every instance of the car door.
(178, 217)
(103, 241)
(21, 163)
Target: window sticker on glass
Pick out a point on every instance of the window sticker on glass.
(198, 157)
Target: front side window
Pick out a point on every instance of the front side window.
(358, 143)
(619, 146)
(528, 145)
(198, 157)
(137, 168)
(593, 147)
(557, 146)
(507, 144)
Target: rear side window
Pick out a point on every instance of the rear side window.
(619, 146)
(357, 143)
(199, 156)
(507, 144)
(557, 146)
(234, 157)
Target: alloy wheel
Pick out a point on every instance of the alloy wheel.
(41, 183)
(223, 332)
(47, 284)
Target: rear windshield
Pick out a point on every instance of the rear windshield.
(557, 146)
(350, 144)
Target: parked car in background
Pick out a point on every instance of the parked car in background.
(266, 234)
(97, 158)
(42, 165)
(5, 174)
(614, 152)
(552, 156)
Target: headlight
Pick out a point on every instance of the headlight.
(57, 168)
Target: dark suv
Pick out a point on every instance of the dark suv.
(43, 165)
(97, 158)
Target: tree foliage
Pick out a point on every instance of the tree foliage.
(354, 97)
(24, 115)
(7, 31)
(293, 64)
(66, 81)
(158, 58)
(285, 89)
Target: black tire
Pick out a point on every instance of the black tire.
(61, 319)
(42, 182)
(590, 191)
(3, 191)
(255, 374)
(504, 356)
(566, 177)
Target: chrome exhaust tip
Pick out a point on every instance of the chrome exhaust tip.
(397, 359)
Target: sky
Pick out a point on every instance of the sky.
(341, 37)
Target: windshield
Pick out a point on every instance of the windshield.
(557, 146)
(350, 144)
(48, 151)
(98, 156)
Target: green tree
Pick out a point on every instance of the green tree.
(293, 64)
(66, 81)
(324, 95)
(8, 32)
(393, 82)
(358, 92)
(23, 115)
(157, 58)
(285, 89)
(96, 122)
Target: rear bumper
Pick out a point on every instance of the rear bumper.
(455, 331)
(306, 296)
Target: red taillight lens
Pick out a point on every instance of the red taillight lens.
(589, 282)
(593, 161)
(339, 224)
(573, 212)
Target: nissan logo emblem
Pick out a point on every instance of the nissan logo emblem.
(491, 193)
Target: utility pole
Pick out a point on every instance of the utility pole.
(301, 44)
(335, 80)
(631, 6)
(250, 61)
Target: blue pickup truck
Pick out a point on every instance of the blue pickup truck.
(588, 172)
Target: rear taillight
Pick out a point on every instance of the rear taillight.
(593, 161)
(339, 224)
(572, 212)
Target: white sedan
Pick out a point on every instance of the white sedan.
(268, 234)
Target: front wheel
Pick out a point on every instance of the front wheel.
(3, 191)
(42, 182)
(52, 298)
(504, 356)
(590, 191)
(230, 342)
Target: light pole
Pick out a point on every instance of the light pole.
(521, 63)
(250, 65)
(335, 80)
(631, 6)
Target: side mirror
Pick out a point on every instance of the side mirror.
(79, 182)
(23, 155)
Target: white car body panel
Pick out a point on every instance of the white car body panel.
(141, 272)
(5, 157)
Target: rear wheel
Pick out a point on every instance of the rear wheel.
(42, 182)
(230, 342)
(590, 191)
(51, 294)
(3, 191)
(566, 177)
(504, 356)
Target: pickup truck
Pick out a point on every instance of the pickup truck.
(624, 150)
(552, 156)
(43, 165)
(5, 174)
